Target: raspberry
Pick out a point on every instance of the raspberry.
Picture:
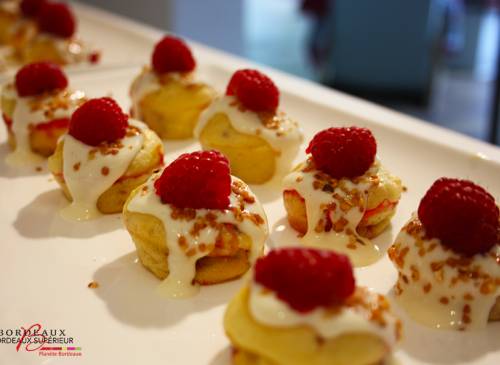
(306, 278)
(57, 19)
(196, 180)
(31, 8)
(343, 152)
(98, 120)
(171, 54)
(40, 77)
(462, 215)
(254, 90)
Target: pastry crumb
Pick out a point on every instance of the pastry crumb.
(93, 285)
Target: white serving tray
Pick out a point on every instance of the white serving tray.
(47, 262)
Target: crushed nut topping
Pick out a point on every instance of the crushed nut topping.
(51, 102)
(449, 271)
(93, 285)
(229, 238)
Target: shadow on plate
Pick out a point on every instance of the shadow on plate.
(267, 193)
(10, 172)
(433, 346)
(41, 219)
(129, 291)
(223, 357)
(282, 234)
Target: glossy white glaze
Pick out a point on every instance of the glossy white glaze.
(182, 268)
(84, 174)
(361, 251)
(30, 111)
(269, 310)
(436, 285)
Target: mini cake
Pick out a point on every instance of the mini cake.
(259, 140)
(195, 224)
(36, 109)
(166, 96)
(53, 39)
(448, 258)
(18, 20)
(104, 156)
(8, 18)
(302, 307)
(341, 196)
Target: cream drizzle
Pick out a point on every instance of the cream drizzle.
(182, 268)
(285, 140)
(269, 310)
(24, 115)
(427, 307)
(84, 177)
(365, 251)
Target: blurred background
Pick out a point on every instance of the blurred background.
(434, 59)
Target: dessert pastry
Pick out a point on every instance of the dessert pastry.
(36, 109)
(259, 140)
(104, 156)
(18, 20)
(8, 18)
(194, 224)
(302, 307)
(448, 258)
(342, 196)
(165, 96)
(55, 39)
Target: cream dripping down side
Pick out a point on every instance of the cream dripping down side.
(284, 136)
(440, 288)
(89, 172)
(345, 203)
(184, 248)
(30, 111)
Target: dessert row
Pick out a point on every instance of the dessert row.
(40, 30)
(196, 221)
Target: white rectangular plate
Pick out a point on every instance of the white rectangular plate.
(47, 262)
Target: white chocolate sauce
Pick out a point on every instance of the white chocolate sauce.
(30, 111)
(285, 140)
(182, 267)
(269, 310)
(88, 173)
(345, 239)
(440, 288)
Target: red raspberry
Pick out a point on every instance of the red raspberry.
(254, 90)
(57, 19)
(40, 77)
(31, 8)
(98, 120)
(306, 278)
(343, 152)
(196, 180)
(172, 54)
(462, 215)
